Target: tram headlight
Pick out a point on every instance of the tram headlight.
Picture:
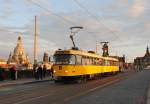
(66, 71)
(54, 71)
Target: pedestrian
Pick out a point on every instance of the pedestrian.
(52, 72)
(44, 70)
(13, 72)
(120, 69)
(40, 72)
(35, 71)
(2, 72)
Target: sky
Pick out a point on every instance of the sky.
(123, 23)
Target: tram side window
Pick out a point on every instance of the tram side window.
(78, 60)
(89, 60)
(111, 63)
(104, 63)
(93, 61)
(107, 62)
(100, 62)
(116, 63)
(97, 61)
(83, 60)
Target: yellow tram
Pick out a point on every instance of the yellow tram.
(77, 64)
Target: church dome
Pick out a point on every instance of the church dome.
(19, 55)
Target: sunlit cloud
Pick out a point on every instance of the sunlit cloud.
(138, 8)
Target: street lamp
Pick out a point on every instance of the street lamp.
(74, 30)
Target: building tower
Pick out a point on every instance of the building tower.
(105, 49)
(9, 58)
(45, 58)
(147, 52)
(19, 56)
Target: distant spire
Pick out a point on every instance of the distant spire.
(9, 58)
(19, 41)
(147, 51)
(10, 53)
(20, 35)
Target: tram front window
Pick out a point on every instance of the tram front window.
(64, 59)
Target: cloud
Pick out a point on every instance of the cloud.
(7, 10)
(34, 5)
(43, 46)
(138, 8)
(41, 2)
(54, 34)
(53, 31)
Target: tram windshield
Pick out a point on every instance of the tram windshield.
(64, 59)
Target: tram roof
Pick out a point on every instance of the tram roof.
(83, 53)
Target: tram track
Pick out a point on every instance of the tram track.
(64, 92)
(104, 83)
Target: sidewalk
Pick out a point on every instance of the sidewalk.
(8, 83)
(148, 95)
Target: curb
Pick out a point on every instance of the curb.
(38, 81)
(24, 83)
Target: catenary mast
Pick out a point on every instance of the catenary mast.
(35, 42)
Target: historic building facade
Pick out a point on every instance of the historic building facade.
(47, 61)
(3, 63)
(122, 63)
(19, 56)
(45, 58)
(142, 62)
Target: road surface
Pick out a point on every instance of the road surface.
(124, 88)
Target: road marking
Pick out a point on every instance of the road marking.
(148, 95)
(69, 98)
(5, 89)
(32, 99)
(98, 87)
(91, 90)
